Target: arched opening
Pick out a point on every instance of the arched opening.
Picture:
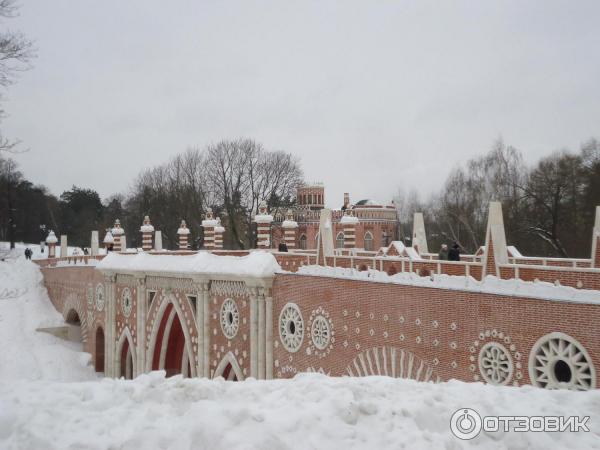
(368, 241)
(302, 243)
(169, 347)
(229, 369)
(339, 240)
(99, 360)
(74, 323)
(126, 361)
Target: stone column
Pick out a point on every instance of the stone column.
(419, 237)
(146, 229)
(254, 332)
(290, 230)
(219, 230)
(269, 336)
(140, 332)
(263, 227)
(206, 330)
(110, 289)
(261, 335)
(496, 252)
(117, 233)
(51, 240)
(158, 240)
(209, 224)
(64, 248)
(596, 240)
(183, 232)
(349, 222)
(94, 244)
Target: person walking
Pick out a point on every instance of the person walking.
(443, 254)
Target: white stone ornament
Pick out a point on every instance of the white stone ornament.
(100, 297)
(320, 332)
(291, 327)
(558, 361)
(230, 318)
(495, 364)
(126, 302)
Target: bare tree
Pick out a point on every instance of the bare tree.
(16, 52)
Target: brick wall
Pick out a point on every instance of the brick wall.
(444, 329)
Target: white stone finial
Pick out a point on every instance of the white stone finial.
(146, 226)
(183, 229)
(51, 239)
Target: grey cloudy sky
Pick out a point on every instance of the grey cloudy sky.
(371, 95)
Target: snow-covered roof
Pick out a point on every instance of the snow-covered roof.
(255, 264)
(183, 230)
(289, 224)
(512, 251)
(349, 219)
(263, 218)
(108, 238)
(147, 229)
(411, 253)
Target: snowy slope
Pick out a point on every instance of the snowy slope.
(25, 353)
(50, 399)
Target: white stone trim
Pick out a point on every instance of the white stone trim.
(229, 358)
(126, 334)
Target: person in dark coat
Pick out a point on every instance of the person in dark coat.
(454, 253)
(28, 253)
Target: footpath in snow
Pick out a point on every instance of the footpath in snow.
(51, 399)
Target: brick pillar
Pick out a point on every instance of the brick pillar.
(183, 232)
(108, 240)
(147, 229)
(290, 230)
(219, 230)
(349, 222)
(209, 224)
(51, 240)
(263, 226)
(117, 233)
(596, 240)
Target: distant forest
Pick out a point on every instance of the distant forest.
(548, 208)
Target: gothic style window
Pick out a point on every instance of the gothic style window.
(339, 240)
(303, 242)
(368, 241)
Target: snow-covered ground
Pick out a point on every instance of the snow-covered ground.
(20, 247)
(51, 399)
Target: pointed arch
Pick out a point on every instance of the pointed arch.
(229, 369)
(126, 354)
(169, 314)
(368, 241)
(339, 240)
(99, 350)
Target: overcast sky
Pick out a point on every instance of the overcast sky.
(371, 95)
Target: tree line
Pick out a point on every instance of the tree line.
(548, 208)
(231, 177)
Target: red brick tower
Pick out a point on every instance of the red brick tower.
(219, 230)
(146, 229)
(349, 222)
(263, 226)
(117, 233)
(183, 232)
(290, 229)
(209, 224)
(51, 240)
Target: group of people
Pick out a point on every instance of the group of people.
(452, 254)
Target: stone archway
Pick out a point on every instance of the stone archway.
(74, 323)
(99, 354)
(229, 369)
(170, 348)
(126, 356)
